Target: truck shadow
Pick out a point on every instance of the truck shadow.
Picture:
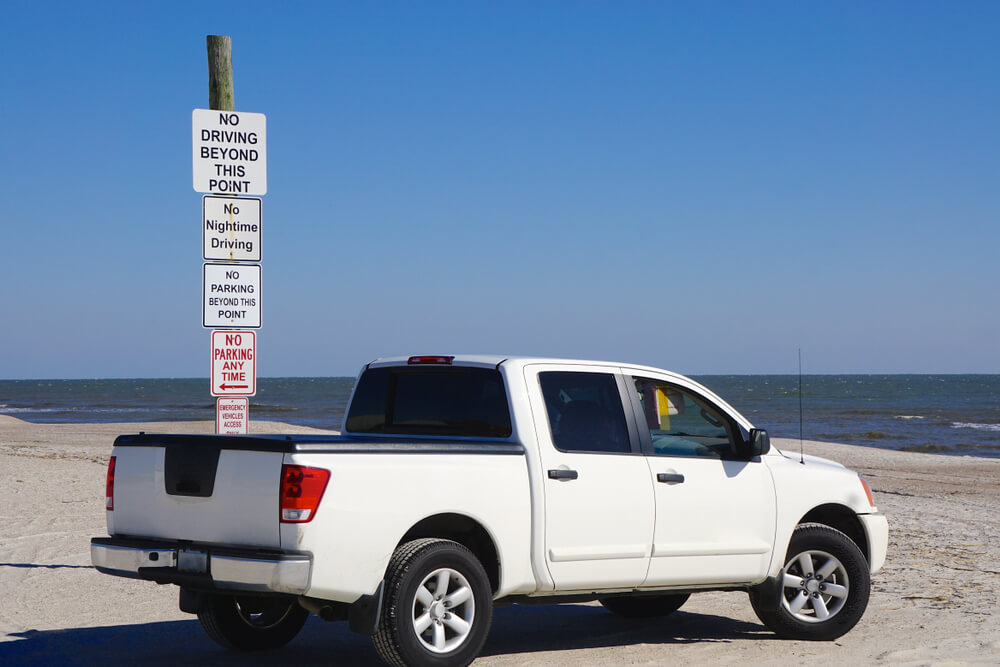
(575, 626)
(35, 566)
(516, 630)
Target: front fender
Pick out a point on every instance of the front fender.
(801, 488)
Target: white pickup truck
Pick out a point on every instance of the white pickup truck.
(464, 482)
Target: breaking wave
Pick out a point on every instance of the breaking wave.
(977, 427)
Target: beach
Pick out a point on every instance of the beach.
(932, 603)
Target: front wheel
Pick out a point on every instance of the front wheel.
(437, 607)
(251, 623)
(824, 590)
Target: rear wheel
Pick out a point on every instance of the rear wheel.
(824, 590)
(251, 623)
(645, 606)
(437, 607)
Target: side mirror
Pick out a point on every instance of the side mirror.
(760, 442)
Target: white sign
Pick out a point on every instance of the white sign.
(229, 152)
(230, 228)
(230, 295)
(234, 363)
(232, 415)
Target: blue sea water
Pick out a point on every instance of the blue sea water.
(950, 414)
(947, 414)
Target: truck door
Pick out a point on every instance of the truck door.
(598, 495)
(715, 508)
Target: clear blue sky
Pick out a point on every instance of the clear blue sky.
(705, 187)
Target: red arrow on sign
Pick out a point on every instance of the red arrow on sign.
(234, 386)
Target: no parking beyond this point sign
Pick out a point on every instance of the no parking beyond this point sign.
(230, 296)
(234, 363)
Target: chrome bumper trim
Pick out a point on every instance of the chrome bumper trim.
(126, 561)
(230, 570)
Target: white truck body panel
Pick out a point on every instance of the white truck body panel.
(701, 535)
(242, 510)
(803, 487)
(369, 506)
(597, 526)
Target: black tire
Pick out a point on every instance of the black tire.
(796, 609)
(415, 573)
(251, 623)
(645, 606)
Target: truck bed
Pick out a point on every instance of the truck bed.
(224, 489)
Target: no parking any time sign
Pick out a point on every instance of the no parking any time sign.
(234, 363)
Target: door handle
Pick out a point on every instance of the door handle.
(667, 477)
(562, 473)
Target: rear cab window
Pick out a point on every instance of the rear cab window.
(437, 401)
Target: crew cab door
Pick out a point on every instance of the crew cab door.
(597, 491)
(715, 507)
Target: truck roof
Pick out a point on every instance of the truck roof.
(514, 362)
(494, 360)
(481, 360)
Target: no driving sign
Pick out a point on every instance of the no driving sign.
(229, 152)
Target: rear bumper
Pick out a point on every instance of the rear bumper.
(203, 567)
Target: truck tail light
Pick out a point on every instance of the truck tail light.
(868, 490)
(302, 489)
(109, 489)
(439, 360)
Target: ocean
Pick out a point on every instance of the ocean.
(947, 414)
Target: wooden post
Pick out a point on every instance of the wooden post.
(220, 72)
(220, 97)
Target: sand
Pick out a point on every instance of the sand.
(933, 602)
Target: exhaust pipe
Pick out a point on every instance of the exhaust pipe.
(325, 609)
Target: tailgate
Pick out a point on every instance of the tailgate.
(197, 491)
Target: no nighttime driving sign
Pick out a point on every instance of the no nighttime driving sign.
(230, 228)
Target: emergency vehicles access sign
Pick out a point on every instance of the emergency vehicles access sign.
(231, 415)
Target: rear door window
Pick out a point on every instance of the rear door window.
(585, 412)
(457, 401)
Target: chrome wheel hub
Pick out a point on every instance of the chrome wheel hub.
(815, 586)
(444, 609)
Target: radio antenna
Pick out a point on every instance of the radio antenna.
(802, 458)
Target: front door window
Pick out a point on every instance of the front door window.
(681, 424)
